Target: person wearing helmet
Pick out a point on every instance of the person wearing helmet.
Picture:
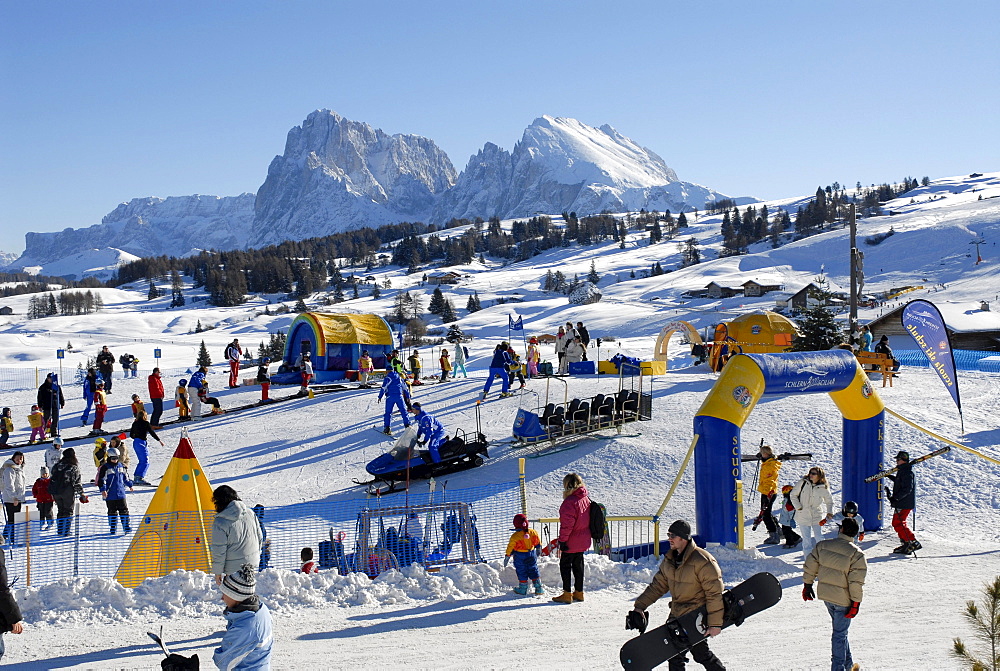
(100, 409)
(365, 368)
(182, 403)
(112, 484)
(53, 453)
(903, 500)
(264, 380)
(525, 546)
(850, 509)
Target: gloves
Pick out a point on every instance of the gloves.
(506, 560)
(807, 593)
(853, 610)
(784, 456)
(84, 499)
(379, 399)
(537, 550)
(637, 619)
(861, 536)
(823, 522)
(563, 546)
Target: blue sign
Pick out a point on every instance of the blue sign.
(923, 321)
(157, 353)
(60, 354)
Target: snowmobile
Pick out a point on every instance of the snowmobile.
(405, 462)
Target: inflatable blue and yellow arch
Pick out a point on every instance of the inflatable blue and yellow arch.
(335, 342)
(744, 381)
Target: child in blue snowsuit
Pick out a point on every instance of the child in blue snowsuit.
(499, 367)
(525, 546)
(397, 395)
(430, 430)
(112, 484)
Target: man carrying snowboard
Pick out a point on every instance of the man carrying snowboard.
(693, 578)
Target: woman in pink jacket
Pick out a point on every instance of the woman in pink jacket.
(574, 537)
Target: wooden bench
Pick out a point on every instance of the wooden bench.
(875, 362)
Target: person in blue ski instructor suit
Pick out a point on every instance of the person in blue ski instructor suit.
(397, 395)
(499, 367)
(430, 430)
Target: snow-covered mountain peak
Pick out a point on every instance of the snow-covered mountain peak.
(575, 152)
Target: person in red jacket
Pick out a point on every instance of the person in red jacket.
(40, 490)
(233, 354)
(155, 385)
(574, 537)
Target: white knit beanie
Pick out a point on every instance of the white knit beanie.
(240, 585)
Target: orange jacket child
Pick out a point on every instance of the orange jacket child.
(524, 546)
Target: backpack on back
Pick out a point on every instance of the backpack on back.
(598, 520)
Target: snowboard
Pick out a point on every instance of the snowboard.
(646, 651)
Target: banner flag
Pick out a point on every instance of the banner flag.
(515, 325)
(923, 321)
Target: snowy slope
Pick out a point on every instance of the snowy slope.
(308, 450)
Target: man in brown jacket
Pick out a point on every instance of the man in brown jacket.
(693, 578)
(840, 567)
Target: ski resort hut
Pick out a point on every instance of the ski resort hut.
(335, 342)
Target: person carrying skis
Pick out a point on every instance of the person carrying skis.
(233, 354)
(903, 500)
(525, 546)
(397, 395)
(105, 366)
(768, 488)
(44, 501)
(138, 433)
(112, 485)
(155, 385)
(841, 567)
(89, 387)
(430, 430)
(694, 579)
(499, 367)
(264, 380)
(248, 638)
(809, 496)
(12, 488)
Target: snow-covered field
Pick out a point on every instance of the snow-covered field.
(465, 617)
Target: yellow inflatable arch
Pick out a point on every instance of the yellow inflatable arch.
(663, 340)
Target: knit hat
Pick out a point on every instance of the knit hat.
(520, 521)
(849, 527)
(44, 472)
(903, 454)
(239, 585)
(786, 489)
(681, 529)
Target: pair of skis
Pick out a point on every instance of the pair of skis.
(174, 662)
(882, 474)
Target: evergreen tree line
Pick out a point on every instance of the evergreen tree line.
(25, 283)
(739, 231)
(64, 303)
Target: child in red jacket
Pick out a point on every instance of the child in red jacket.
(308, 565)
(40, 490)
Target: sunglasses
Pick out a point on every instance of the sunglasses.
(670, 535)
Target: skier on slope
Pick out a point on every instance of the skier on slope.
(430, 430)
(397, 395)
(233, 354)
(694, 579)
(499, 367)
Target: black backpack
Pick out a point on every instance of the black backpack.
(598, 520)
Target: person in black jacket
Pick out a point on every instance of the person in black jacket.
(50, 400)
(65, 486)
(139, 432)
(903, 499)
(105, 366)
(883, 348)
(584, 334)
(10, 614)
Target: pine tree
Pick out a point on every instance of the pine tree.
(375, 292)
(176, 290)
(682, 221)
(592, 276)
(153, 292)
(437, 302)
(986, 628)
(198, 328)
(448, 312)
(203, 357)
(455, 335)
(655, 232)
(300, 306)
(472, 305)
(818, 330)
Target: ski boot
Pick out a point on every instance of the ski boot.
(387, 431)
(903, 549)
(915, 545)
(793, 544)
(537, 584)
(505, 394)
(522, 588)
(773, 538)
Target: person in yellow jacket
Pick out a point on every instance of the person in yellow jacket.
(694, 579)
(525, 546)
(768, 488)
(840, 567)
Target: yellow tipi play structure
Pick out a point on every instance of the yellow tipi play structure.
(176, 530)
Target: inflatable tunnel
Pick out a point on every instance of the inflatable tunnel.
(747, 378)
(335, 342)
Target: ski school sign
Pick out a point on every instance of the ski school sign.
(923, 321)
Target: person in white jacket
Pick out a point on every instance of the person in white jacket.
(809, 496)
(12, 488)
(562, 339)
(236, 534)
(53, 453)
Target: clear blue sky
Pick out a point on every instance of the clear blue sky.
(101, 102)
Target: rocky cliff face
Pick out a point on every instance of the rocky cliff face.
(337, 174)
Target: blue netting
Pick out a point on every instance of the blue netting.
(40, 556)
(965, 359)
